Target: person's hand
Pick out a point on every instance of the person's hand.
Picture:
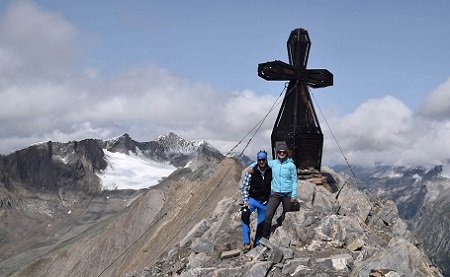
(250, 170)
(294, 200)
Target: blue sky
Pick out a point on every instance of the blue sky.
(147, 67)
(373, 47)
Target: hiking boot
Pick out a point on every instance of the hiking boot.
(246, 247)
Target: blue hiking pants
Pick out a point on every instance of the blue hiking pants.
(261, 208)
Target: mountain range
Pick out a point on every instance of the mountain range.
(52, 191)
(169, 207)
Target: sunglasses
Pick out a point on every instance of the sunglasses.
(261, 160)
(282, 152)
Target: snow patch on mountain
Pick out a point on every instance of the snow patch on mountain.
(132, 171)
(62, 159)
(390, 173)
(417, 177)
(446, 171)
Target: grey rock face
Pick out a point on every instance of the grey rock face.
(50, 166)
(400, 256)
(201, 245)
(353, 202)
(422, 199)
(432, 229)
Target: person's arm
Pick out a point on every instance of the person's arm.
(251, 168)
(294, 181)
(245, 188)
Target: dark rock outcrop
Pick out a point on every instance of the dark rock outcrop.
(52, 165)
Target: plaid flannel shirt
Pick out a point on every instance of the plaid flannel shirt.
(245, 187)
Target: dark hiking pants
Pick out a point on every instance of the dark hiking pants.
(274, 201)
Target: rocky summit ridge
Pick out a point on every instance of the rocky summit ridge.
(342, 233)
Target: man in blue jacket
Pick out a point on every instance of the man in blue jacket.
(283, 189)
(255, 191)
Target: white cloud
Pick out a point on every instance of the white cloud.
(437, 104)
(377, 124)
(34, 42)
(244, 109)
(385, 131)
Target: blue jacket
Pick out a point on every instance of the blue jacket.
(284, 176)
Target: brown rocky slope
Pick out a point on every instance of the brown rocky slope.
(152, 224)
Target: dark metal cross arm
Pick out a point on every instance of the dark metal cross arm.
(281, 71)
(319, 78)
(276, 71)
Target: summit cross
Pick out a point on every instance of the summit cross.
(297, 124)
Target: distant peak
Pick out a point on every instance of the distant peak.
(125, 136)
(202, 143)
(123, 144)
(171, 136)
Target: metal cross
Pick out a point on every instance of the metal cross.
(297, 124)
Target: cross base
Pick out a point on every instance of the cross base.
(306, 148)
